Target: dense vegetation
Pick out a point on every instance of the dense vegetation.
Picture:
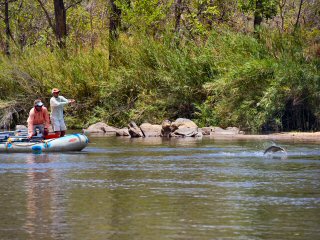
(253, 64)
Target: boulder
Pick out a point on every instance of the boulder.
(101, 128)
(183, 127)
(205, 130)
(134, 130)
(166, 128)
(227, 131)
(183, 122)
(124, 132)
(185, 132)
(96, 128)
(200, 134)
(150, 130)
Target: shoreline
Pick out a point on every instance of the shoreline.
(281, 136)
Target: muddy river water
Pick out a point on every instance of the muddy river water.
(120, 188)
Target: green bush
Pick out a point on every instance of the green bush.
(229, 79)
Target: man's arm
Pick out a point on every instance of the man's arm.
(64, 99)
(67, 100)
(55, 103)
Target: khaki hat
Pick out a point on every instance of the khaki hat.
(55, 90)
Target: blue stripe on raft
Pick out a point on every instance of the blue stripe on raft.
(36, 149)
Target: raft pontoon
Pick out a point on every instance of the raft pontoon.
(19, 144)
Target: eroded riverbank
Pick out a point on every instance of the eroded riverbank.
(285, 136)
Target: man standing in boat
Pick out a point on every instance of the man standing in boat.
(57, 103)
(38, 119)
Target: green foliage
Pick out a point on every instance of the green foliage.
(156, 81)
(143, 14)
(198, 16)
(265, 8)
(229, 80)
(237, 94)
(216, 77)
(254, 86)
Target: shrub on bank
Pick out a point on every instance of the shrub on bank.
(230, 79)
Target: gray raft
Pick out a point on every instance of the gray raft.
(72, 142)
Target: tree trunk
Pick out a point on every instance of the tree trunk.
(114, 21)
(177, 15)
(7, 25)
(61, 22)
(114, 25)
(257, 15)
(47, 16)
(298, 16)
(210, 20)
(282, 4)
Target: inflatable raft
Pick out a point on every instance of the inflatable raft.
(72, 142)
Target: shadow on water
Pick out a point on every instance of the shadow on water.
(152, 188)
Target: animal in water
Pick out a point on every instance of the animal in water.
(273, 149)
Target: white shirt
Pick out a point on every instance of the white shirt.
(57, 104)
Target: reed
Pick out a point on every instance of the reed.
(227, 79)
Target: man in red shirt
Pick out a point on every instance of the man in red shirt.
(38, 119)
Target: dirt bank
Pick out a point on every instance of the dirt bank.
(285, 136)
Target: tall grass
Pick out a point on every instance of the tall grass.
(229, 79)
(257, 80)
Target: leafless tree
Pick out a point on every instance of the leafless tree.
(282, 4)
(178, 9)
(61, 22)
(257, 14)
(296, 25)
(114, 21)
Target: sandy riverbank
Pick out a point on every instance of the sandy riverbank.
(283, 136)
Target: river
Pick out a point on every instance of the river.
(157, 189)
